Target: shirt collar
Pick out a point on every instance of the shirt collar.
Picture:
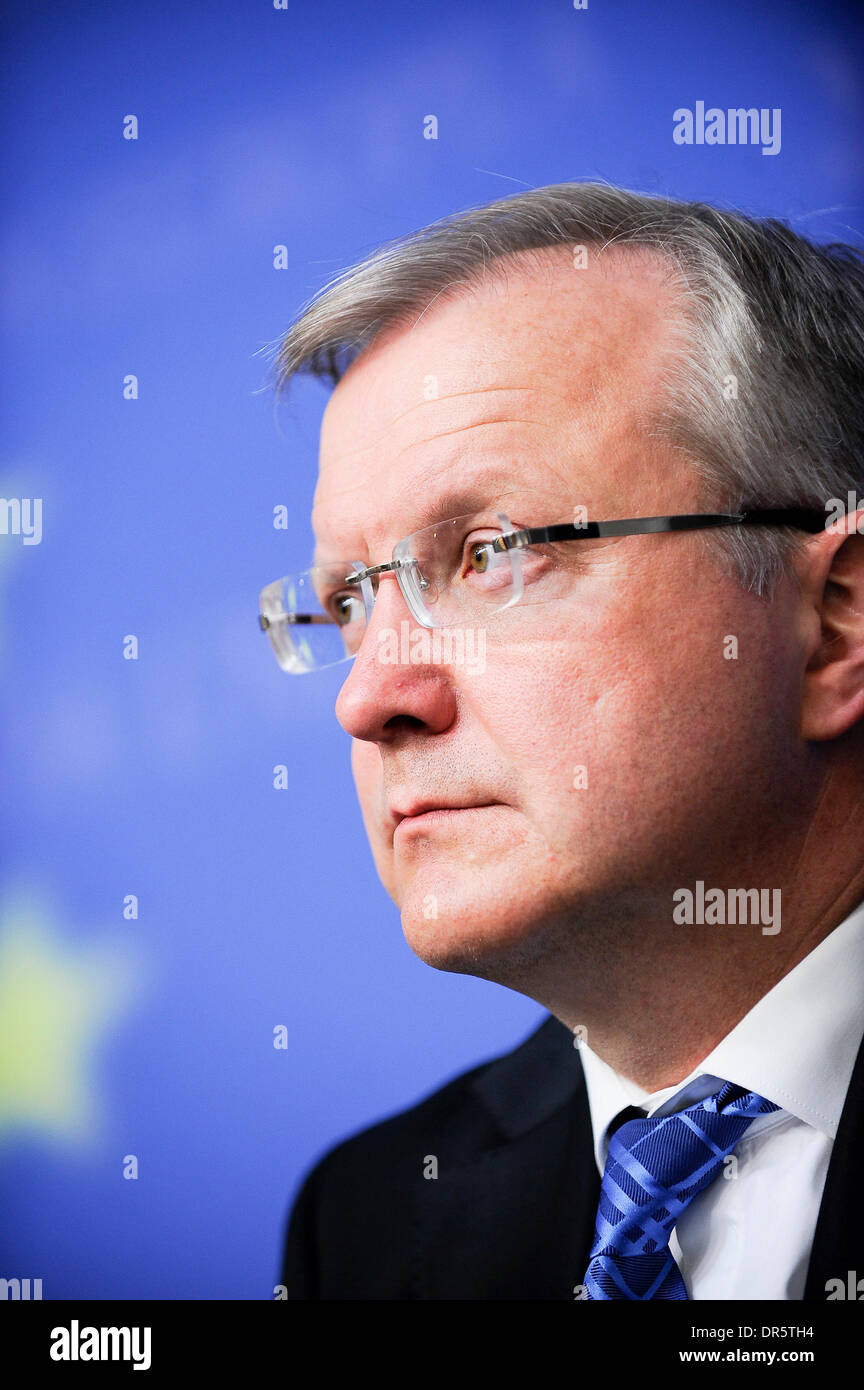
(797, 1046)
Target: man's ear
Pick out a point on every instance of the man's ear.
(833, 689)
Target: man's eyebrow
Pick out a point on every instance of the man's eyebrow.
(458, 499)
(462, 499)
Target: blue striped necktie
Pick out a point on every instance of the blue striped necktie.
(654, 1169)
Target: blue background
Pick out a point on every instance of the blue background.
(258, 908)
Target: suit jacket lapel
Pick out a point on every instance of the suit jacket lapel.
(516, 1220)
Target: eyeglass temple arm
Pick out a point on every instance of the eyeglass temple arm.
(264, 622)
(801, 519)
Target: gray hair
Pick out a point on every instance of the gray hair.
(768, 397)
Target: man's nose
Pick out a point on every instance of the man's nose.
(381, 692)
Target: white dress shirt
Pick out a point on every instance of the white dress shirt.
(748, 1235)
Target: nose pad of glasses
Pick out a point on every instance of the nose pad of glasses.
(368, 590)
(418, 590)
(427, 587)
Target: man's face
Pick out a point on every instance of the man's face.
(545, 381)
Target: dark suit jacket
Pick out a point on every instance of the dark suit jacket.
(511, 1213)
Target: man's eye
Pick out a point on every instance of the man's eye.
(344, 607)
(479, 557)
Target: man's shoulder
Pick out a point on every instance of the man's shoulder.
(484, 1105)
(421, 1204)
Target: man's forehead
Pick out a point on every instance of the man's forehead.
(459, 485)
(497, 333)
(437, 458)
(490, 381)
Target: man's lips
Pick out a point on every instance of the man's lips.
(427, 813)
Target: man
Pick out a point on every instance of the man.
(645, 810)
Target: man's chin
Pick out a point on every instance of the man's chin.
(472, 940)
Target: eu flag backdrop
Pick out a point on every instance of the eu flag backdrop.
(202, 983)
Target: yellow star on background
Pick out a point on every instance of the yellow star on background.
(57, 999)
